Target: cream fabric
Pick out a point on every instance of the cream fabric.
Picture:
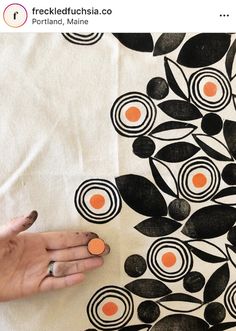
(55, 132)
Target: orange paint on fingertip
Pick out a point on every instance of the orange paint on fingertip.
(168, 259)
(133, 114)
(110, 308)
(96, 246)
(210, 89)
(199, 180)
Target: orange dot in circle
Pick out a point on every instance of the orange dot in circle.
(199, 180)
(133, 114)
(110, 308)
(168, 259)
(210, 89)
(97, 201)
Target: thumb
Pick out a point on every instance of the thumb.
(18, 225)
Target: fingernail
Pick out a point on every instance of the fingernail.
(93, 234)
(107, 250)
(32, 216)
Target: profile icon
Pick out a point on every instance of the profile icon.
(15, 15)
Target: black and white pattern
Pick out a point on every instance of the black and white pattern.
(83, 38)
(199, 190)
(177, 254)
(219, 96)
(230, 299)
(120, 313)
(133, 114)
(107, 209)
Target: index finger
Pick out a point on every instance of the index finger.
(66, 239)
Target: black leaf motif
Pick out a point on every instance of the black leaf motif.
(231, 251)
(218, 152)
(223, 326)
(202, 247)
(168, 42)
(180, 322)
(210, 222)
(216, 283)
(141, 42)
(231, 236)
(161, 183)
(172, 302)
(230, 58)
(230, 136)
(172, 130)
(148, 288)
(180, 110)
(141, 195)
(204, 49)
(180, 297)
(157, 227)
(140, 327)
(177, 152)
(229, 194)
(174, 83)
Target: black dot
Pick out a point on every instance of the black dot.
(229, 174)
(148, 311)
(135, 265)
(211, 124)
(214, 313)
(143, 147)
(232, 236)
(194, 281)
(157, 88)
(179, 209)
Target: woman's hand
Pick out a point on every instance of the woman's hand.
(25, 259)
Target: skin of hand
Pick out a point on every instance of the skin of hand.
(25, 257)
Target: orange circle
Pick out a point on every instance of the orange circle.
(97, 201)
(199, 180)
(210, 89)
(168, 259)
(110, 308)
(96, 246)
(133, 114)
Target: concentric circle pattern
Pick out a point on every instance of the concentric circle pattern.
(210, 89)
(97, 200)
(133, 114)
(83, 38)
(199, 179)
(230, 299)
(110, 308)
(169, 259)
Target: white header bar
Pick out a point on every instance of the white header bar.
(118, 16)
